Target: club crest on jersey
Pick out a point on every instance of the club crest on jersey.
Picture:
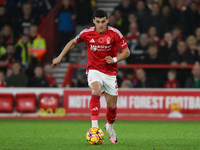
(108, 40)
(101, 40)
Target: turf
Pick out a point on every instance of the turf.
(70, 135)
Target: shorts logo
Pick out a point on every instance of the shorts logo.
(90, 79)
(108, 40)
(116, 86)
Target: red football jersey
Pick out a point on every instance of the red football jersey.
(172, 84)
(100, 45)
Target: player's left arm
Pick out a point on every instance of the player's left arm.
(123, 55)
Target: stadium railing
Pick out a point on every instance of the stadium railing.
(68, 76)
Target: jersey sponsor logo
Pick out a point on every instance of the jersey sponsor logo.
(100, 47)
(92, 41)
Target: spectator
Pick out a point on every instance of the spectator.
(172, 3)
(197, 34)
(4, 19)
(139, 51)
(49, 76)
(194, 80)
(166, 14)
(6, 36)
(38, 80)
(37, 46)
(41, 7)
(195, 17)
(113, 21)
(25, 20)
(126, 84)
(2, 79)
(153, 35)
(172, 82)
(83, 20)
(125, 7)
(167, 46)
(7, 59)
(14, 7)
(2, 51)
(198, 53)
(129, 75)
(149, 4)
(140, 10)
(145, 81)
(17, 79)
(64, 18)
(191, 43)
(182, 56)
(21, 51)
(153, 56)
(121, 21)
(9, 72)
(181, 16)
(177, 33)
(132, 36)
(154, 18)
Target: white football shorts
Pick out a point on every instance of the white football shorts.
(109, 83)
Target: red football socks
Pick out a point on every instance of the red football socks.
(111, 114)
(94, 107)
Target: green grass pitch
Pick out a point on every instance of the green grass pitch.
(21, 134)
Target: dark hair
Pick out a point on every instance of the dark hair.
(10, 44)
(153, 45)
(1, 71)
(100, 14)
(172, 71)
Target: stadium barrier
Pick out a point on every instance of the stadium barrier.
(69, 75)
(131, 102)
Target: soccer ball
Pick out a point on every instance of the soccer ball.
(175, 107)
(95, 136)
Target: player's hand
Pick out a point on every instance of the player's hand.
(109, 59)
(56, 61)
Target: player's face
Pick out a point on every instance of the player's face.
(101, 24)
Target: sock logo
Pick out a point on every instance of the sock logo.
(94, 109)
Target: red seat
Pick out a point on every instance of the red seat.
(6, 103)
(49, 100)
(26, 102)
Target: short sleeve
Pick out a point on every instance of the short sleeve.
(120, 40)
(80, 37)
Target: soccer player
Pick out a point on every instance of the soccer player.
(102, 42)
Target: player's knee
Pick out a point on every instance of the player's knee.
(111, 104)
(96, 92)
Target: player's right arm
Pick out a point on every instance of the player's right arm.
(71, 44)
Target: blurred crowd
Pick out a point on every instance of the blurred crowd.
(21, 45)
(157, 32)
(160, 32)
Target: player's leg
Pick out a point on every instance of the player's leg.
(111, 110)
(95, 84)
(111, 116)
